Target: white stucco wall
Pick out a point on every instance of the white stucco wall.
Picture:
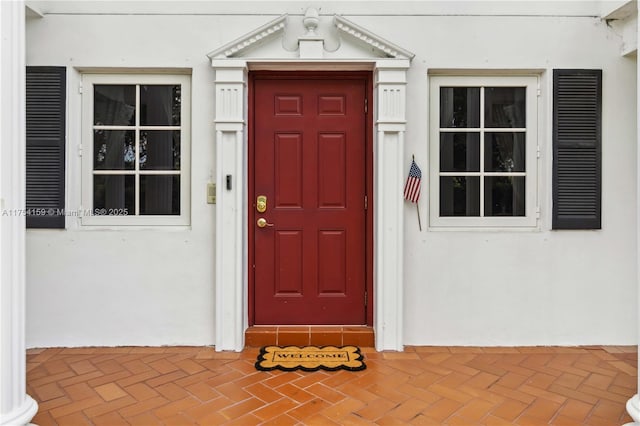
(541, 287)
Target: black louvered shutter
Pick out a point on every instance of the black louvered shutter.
(45, 125)
(577, 149)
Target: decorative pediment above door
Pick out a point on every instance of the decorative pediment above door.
(310, 37)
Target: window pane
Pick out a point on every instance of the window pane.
(160, 105)
(114, 194)
(114, 150)
(459, 152)
(160, 194)
(504, 196)
(504, 107)
(459, 196)
(459, 107)
(114, 105)
(160, 150)
(504, 152)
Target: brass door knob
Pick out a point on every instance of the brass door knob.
(262, 222)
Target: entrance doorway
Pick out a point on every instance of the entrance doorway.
(309, 198)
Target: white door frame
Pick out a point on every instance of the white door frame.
(389, 64)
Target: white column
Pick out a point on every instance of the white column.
(16, 407)
(633, 404)
(230, 215)
(389, 206)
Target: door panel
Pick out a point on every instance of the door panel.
(309, 161)
(332, 170)
(332, 263)
(288, 258)
(288, 170)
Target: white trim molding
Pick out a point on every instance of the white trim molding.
(250, 40)
(390, 107)
(16, 407)
(389, 64)
(231, 245)
(377, 43)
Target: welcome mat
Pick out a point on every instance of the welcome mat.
(310, 358)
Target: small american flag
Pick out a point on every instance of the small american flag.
(412, 187)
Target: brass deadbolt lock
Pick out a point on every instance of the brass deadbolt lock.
(261, 204)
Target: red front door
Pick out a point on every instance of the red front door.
(309, 156)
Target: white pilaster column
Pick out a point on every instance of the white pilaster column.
(16, 407)
(231, 298)
(390, 80)
(633, 404)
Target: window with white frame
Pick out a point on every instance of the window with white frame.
(483, 151)
(135, 149)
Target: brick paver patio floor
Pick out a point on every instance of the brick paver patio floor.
(423, 385)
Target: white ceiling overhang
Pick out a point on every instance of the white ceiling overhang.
(622, 17)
